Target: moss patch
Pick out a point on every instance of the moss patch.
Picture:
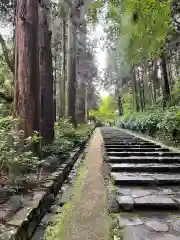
(57, 229)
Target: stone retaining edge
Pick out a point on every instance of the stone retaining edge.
(29, 225)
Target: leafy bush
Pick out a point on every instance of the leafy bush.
(66, 138)
(106, 112)
(155, 122)
(12, 159)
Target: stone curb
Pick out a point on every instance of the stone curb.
(29, 225)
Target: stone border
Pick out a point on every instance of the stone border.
(148, 138)
(43, 204)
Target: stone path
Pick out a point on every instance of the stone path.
(147, 179)
(90, 218)
(87, 215)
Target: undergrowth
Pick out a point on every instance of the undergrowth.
(17, 160)
(13, 159)
(162, 124)
(67, 138)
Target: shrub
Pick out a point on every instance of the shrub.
(66, 138)
(13, 160)
(154, 122)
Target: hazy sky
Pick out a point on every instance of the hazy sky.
(99, 35)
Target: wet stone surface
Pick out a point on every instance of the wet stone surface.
(126, 202)
(147, 178)
(157, 226)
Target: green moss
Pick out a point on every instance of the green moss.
(57, 230)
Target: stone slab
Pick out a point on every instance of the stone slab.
(124, 222)
(144, 166)
(140, 193)
(157, 226)
(154, 200)
(168, 237)
(126, 202)
(132, 179)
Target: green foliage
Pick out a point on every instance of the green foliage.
(94, 9)
(175, 95)
(14, 160)
(106, 111)
(127, 103)
(145, 24)
(66, 137)
(156, 122)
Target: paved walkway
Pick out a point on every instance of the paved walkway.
(88, 213)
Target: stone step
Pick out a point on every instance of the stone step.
(146, 167)
(121, 139)
(153, 198)
(145, 159)
(148, 226)
(128, 143)
(130, 146)
(122, 149)
(143, 153)
(145, 179)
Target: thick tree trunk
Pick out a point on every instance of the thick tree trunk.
(46, 77)
(71, 75)
(27, 86)
(166, 89)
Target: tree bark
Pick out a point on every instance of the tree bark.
(120, 107)
(166, 89)
(46, 77)
(81, 99)
(71, 75)
(63, 78)
(135, 91)
(27, 86)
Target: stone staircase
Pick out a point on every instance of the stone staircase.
(147, 178)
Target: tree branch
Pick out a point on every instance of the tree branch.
(6, 53)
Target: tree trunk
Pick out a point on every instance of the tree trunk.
(166, 89)
(81, 111)
(46, 77)
(71, 75)
(134, 89)
(63, 77)
(154, 79)
(27, 86)
(120, 107)
(142, 88)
